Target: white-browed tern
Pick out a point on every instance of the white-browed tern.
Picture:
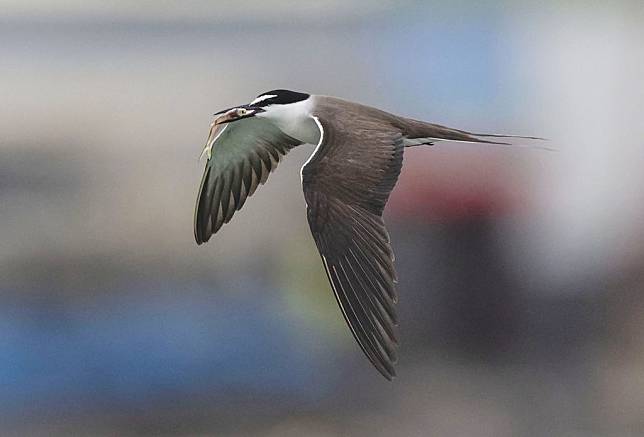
(347, 181)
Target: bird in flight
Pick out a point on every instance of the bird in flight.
(347, 181)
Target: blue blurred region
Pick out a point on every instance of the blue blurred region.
(163, 339)
(444, 65)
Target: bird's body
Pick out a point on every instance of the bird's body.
(346, 181)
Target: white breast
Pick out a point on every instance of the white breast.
(294, 119)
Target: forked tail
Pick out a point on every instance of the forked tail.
(419, 133)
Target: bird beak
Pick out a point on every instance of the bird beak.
(255, 109)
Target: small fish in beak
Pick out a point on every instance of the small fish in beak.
(220, 122)
(230, 115)
(216, 128)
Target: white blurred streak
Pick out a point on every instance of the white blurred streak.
(589, 65)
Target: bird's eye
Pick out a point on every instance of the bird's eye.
(242, 111)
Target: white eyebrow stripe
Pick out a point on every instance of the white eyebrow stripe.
(261, 98)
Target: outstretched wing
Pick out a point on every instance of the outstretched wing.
(346, 186)
(241, 154)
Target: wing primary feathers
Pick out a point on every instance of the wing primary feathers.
(254, 182)
(387, 305)
(374, 340)
(236, 183)
(384, 266)
(275, 155)
(256, 163)
(243, 195)
(266, 170)
(202, 211)
(247, 176)
(353, 312)
(218, 216)
(380, 325)
(358, 331)
(379, 275)
(265, 158)
(225, 195)
(231, 208)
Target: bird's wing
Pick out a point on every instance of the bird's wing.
(346, 184)
(241, 154)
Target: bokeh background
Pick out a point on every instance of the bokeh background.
(521, 270)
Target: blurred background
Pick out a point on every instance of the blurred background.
(521, 270)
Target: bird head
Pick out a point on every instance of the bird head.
(262, 103)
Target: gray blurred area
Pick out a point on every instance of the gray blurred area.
(521, 270)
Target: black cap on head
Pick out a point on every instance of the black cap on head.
(279, 97)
